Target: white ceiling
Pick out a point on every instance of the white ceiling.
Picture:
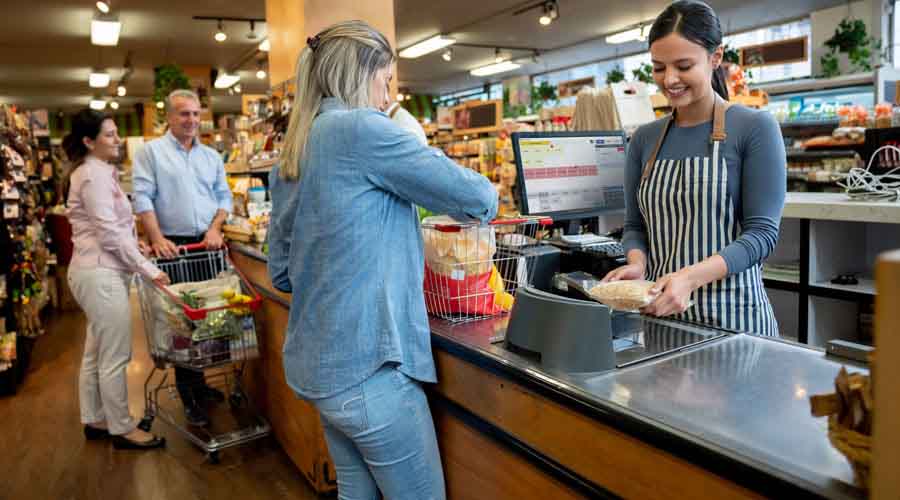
(46, 54)
(494, 22)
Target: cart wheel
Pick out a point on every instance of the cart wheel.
(213, 458)
(237, 399)
(145, 424)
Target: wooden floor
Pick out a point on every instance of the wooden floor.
(43, 454)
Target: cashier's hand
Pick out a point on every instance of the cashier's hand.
(626, 272)
(674, 297)
(162, 279)
(213, 239)
(164, 248)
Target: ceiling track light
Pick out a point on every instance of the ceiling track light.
(252, 35)
(103, 6)
(265, 45)
(121, 91)
(260, 71)
(550, 13)
(220, 35)
(114, 105)
(498, 56)
(447, 55)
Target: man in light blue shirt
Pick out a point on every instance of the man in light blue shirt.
(179, 184)
(181, 197)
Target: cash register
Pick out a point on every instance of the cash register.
(575, 178)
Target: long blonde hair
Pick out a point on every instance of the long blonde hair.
(340, 62)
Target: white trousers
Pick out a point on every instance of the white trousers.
(102, 294)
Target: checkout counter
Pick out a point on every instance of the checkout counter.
(686, 411)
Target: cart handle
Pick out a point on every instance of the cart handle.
(455, 228)
(192, 247)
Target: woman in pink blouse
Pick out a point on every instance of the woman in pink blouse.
(106, 256)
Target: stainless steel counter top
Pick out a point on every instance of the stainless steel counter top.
(743, 398)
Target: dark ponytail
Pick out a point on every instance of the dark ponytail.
(697, 22)
(86, 123)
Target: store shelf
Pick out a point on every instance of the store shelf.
(816, 154)
(813, 84)
(781, 284)
(864, 290)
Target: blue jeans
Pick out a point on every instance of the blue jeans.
(381, 437)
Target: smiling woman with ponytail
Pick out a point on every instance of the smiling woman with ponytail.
(704, 187)
(345, 239)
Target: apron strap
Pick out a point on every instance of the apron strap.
(718, 133)
(662, 137)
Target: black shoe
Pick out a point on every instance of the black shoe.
(208, 393)
(123, 443)
(92, 433)
(196, 416)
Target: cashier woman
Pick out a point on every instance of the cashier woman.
(704, 187)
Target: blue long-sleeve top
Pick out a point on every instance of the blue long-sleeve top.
(185, 188)
(755, 155)
(345, 240)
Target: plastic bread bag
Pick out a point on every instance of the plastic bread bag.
(626, 295)
(458, 254)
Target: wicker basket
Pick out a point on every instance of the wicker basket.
(855, 446)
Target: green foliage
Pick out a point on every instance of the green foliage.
(850, 38)
(644, 73)
(731, 55)
(510, 111)
(615, 76)
(167, 78)
(191, 299)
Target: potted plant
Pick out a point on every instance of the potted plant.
(850, 38)
(167, 78)
(615, 76)
(644, 73)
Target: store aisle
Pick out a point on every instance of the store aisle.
(44, 454)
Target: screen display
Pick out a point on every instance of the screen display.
(572, 173)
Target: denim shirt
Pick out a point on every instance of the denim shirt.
(184, 188)
(345, 241)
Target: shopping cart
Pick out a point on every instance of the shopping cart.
(202, 321)
(472, 271)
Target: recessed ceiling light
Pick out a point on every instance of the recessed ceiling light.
(492, 69)
(624, 36)
(98, 79)
(121, 91)
(105, 30)
(224, 80)
(103, 7)
(114, 105)
(436, 42)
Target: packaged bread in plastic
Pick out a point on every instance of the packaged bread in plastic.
(625, 295)
(458, 253)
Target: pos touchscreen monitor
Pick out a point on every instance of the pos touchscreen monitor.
(570, 175)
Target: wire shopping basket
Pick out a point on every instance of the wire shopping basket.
(472, 271)
(204, 317)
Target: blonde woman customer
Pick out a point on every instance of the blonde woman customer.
(105, 259)
(344, 237)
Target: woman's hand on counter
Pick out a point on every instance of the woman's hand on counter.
(634, 270)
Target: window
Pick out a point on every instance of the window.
(794, 29)
(894, 32)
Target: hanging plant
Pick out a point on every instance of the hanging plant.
(644, 73)
(731, 55)
(849, 38)
(167, 78)
(615, 76)
(542, 95)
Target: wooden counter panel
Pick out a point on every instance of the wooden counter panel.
(476, 467)
(610, 459)
(295, 423)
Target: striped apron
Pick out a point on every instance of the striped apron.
(690, 216)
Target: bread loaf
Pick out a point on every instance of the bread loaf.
(627, 295)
